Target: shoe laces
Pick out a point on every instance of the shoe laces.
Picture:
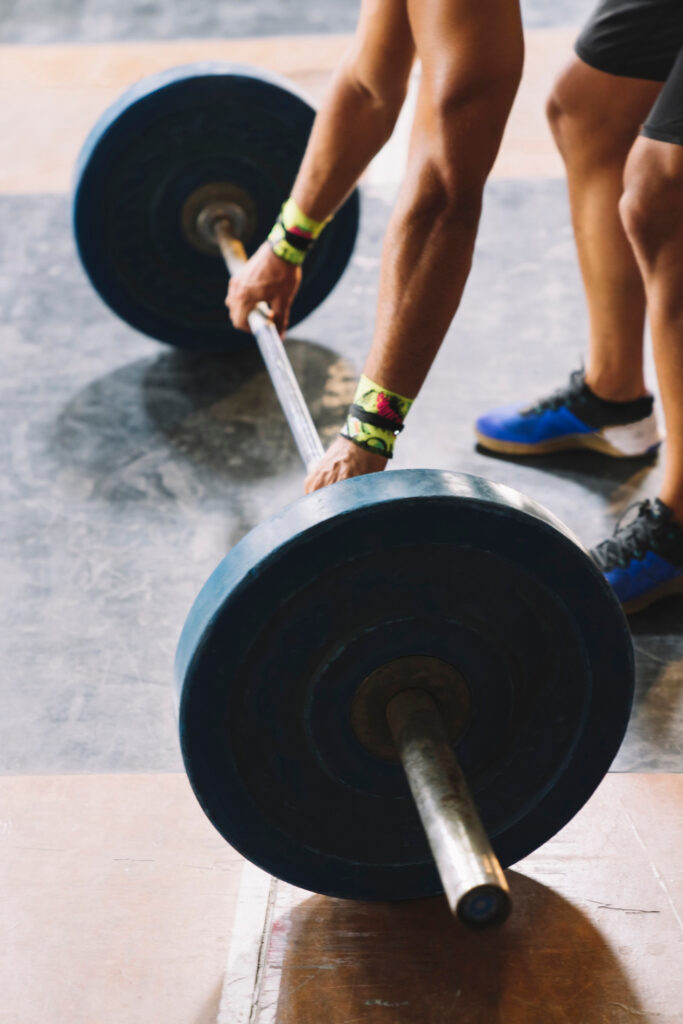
(632, 538)
(562, 396)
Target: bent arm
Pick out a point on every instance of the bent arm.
(360, 108)
(356, 118)
(471, 53)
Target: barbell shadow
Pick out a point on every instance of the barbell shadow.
(187, 424)
(412, 963)
(219, 410)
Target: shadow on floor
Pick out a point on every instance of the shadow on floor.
(136, 430)
(599, 474)
(413, 964)
(654, 741)
(665, 618)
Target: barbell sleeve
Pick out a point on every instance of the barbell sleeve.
(274, 355)
(472, 877)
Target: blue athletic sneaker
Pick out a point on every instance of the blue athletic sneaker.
(643, 560)
(572, 417)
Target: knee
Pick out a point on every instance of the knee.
(560, 122)
(578, 123)
(573, 124)
(651, 207)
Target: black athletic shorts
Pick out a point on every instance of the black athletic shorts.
(641, 39)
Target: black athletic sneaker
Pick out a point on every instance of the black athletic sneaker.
(572, 417)
(643, 560)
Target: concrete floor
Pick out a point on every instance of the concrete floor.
(574, 949)
(128, 470)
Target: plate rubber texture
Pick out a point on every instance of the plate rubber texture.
(162, 140)
(411, 562)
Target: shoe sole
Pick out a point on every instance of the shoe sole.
(671, 589)
(560, 444)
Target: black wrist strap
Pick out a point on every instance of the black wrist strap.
(375, 419)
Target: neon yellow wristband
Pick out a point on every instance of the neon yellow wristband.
(294, 218)
(375, 419)
(294, 233)
(280, 245)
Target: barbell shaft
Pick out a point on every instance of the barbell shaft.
(274, 355)
(472, 877)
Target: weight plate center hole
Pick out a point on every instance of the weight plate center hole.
(441, 681)
(213, 202)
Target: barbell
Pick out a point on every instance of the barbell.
(397, 685)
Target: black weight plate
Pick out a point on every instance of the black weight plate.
(414, 562)
(167, 137)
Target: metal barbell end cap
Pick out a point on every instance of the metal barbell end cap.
(473, 880)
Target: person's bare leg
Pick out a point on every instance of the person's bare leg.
(595, 118)
(652, 213)
(472, 53)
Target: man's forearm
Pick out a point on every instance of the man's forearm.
(426, 258)
(332, 164)
(429, 242)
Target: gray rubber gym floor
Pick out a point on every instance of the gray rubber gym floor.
(127, 469)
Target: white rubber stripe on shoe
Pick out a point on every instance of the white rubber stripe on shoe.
(248, 943)
(633, 438)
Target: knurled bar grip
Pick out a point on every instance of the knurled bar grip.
(273, 351)
(472, 877)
